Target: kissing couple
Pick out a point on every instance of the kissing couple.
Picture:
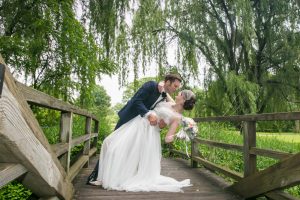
(130, 156)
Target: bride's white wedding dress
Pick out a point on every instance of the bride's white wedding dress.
(130, 156)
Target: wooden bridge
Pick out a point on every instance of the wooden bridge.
(26, 155)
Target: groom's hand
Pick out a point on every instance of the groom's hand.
(162, 124)
(152, 119)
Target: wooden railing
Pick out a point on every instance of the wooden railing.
(252, 183)
(25, 151)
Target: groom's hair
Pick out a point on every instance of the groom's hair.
(173, 77)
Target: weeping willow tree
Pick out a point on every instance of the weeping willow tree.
(249, 49)
(247, 52)
(45, 43)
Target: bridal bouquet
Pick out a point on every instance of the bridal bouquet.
(189, 129)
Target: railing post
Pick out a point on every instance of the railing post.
(249, 142)
(297, 126)
(66, 137)
(87, 144)
(194, 152)
(96, 130)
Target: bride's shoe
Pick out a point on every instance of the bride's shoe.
(96, 183)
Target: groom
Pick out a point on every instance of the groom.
(145, 99)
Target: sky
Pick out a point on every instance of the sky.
(110, 84)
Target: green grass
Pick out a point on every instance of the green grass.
(285, 137)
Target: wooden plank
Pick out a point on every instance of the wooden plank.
(10, 172)
(2, 73)
(60, 148)
(205, 185)
(249, 142)
(93, 135)
(220, 144)
(96, 131)
(280, 195)
(93, 151)
(214, 167)
(194, 153)
(279, 176)
(88, 130)
(21, 134)
(87, 143)
(258, 117)
(74, 169)
(270, 153)
(180, 153)
(66, 120)
(80, 140)
(39, 98)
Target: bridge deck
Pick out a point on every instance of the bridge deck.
(206, 185)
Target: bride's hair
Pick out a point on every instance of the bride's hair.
(190, 99)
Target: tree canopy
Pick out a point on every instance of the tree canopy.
(249, 49)
(44, 42)
(245, 54)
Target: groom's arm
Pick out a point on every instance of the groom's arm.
(142, 94)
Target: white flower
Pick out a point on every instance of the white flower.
(189, 129)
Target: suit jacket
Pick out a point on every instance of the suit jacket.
(140, 103)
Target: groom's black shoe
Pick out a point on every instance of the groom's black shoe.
(93, 176)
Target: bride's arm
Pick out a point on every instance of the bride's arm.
(172, 130)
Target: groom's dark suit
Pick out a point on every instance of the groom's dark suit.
(139, 104)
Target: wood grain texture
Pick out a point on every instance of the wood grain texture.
(206, 185)
(220, 144)
(9, 172)
(36, 97)
(249, 142)
(279, 176)
(270, 153)
(66, 120)
(22, 136)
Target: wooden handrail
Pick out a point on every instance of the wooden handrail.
(276, 174)
(219, 144)
(23, 136)
(256, 117)
(10, 172)
(270, 153)
(61, 148)
(41, 99)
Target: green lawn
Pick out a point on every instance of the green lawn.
(285, 137)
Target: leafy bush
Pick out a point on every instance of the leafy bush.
(14, 191)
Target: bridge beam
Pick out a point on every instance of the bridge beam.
(22, 141)
(279, 176)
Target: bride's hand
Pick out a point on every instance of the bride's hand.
(162, 124)
(152, 119)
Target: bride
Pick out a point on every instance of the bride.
(130, 156)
